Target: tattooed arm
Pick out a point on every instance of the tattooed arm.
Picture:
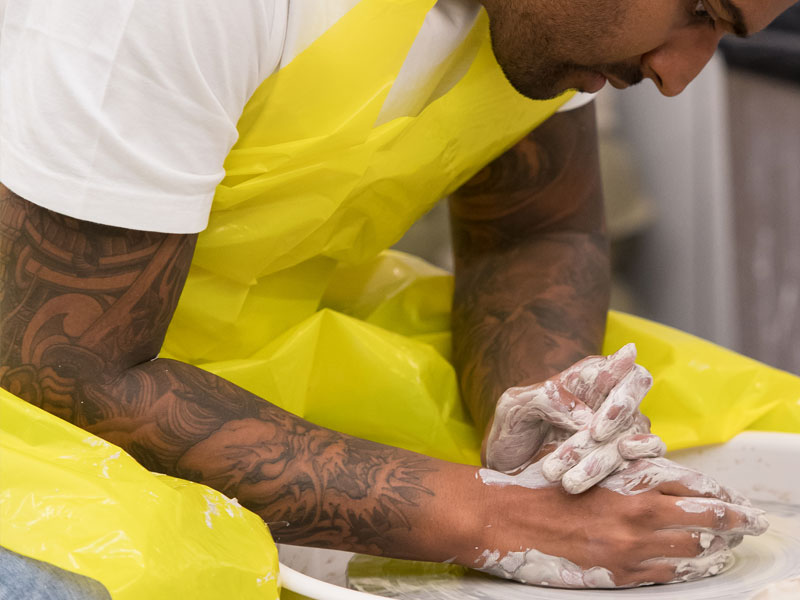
(84, 311)
(532, 269)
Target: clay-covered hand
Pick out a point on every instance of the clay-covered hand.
(617, 432)
(531, 421)
(652, 522)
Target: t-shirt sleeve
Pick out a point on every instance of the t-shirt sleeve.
(122, 113)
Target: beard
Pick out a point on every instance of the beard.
(526, 44)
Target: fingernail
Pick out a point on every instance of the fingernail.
(575, 485)
(756, 520)
(641, 372)
(552, 468)
(627, 350)
(726, 559)
(762, 524)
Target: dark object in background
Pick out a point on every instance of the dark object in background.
(774, 52)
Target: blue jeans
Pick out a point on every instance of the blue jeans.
(23, 578)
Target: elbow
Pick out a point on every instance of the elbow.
(66, 380)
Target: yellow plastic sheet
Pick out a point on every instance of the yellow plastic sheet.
(315, 181)
(373, 362)
(702, 393)
(71, 499)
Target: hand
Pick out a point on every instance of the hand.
(653, 522)
(618, 432)
(531, 421)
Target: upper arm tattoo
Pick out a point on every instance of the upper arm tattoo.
(80, 300)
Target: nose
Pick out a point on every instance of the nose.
(674, 64)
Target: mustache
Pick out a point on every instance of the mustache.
(629, 74)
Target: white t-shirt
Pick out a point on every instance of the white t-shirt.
(122, 112)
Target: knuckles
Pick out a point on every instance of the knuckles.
(640, 508)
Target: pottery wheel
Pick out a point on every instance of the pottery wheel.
(761, 561)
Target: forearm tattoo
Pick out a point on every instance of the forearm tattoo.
(85, 309)
(532, 268)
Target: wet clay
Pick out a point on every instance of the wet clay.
(534, 567)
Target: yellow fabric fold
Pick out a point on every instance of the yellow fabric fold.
(71, 499)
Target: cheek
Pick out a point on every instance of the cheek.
(643, 27)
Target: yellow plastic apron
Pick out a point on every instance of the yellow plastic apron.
(290, 294)
(293, 296)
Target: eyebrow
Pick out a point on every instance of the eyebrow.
(737, 18)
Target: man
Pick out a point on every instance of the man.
(112, 144)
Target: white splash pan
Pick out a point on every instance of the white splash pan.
(763, 466)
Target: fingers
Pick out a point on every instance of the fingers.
(679, 553)
(552, 440)
(548, 402)
(674, 570)
(676, 543)
(670, 479)
(593, 378)
(641, 445)
(693, 569)
(556, 436)
(710, 516)
(701, 549)
(595, 461)
(677, 556)
(510, 449)
(684, 481)
(733, 540)
(592, 469)
(621, 407)
(641, 424)
(568, 454)
(580, 462)
(721, 518)
(523, 417)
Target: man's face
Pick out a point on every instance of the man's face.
(548, 46)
